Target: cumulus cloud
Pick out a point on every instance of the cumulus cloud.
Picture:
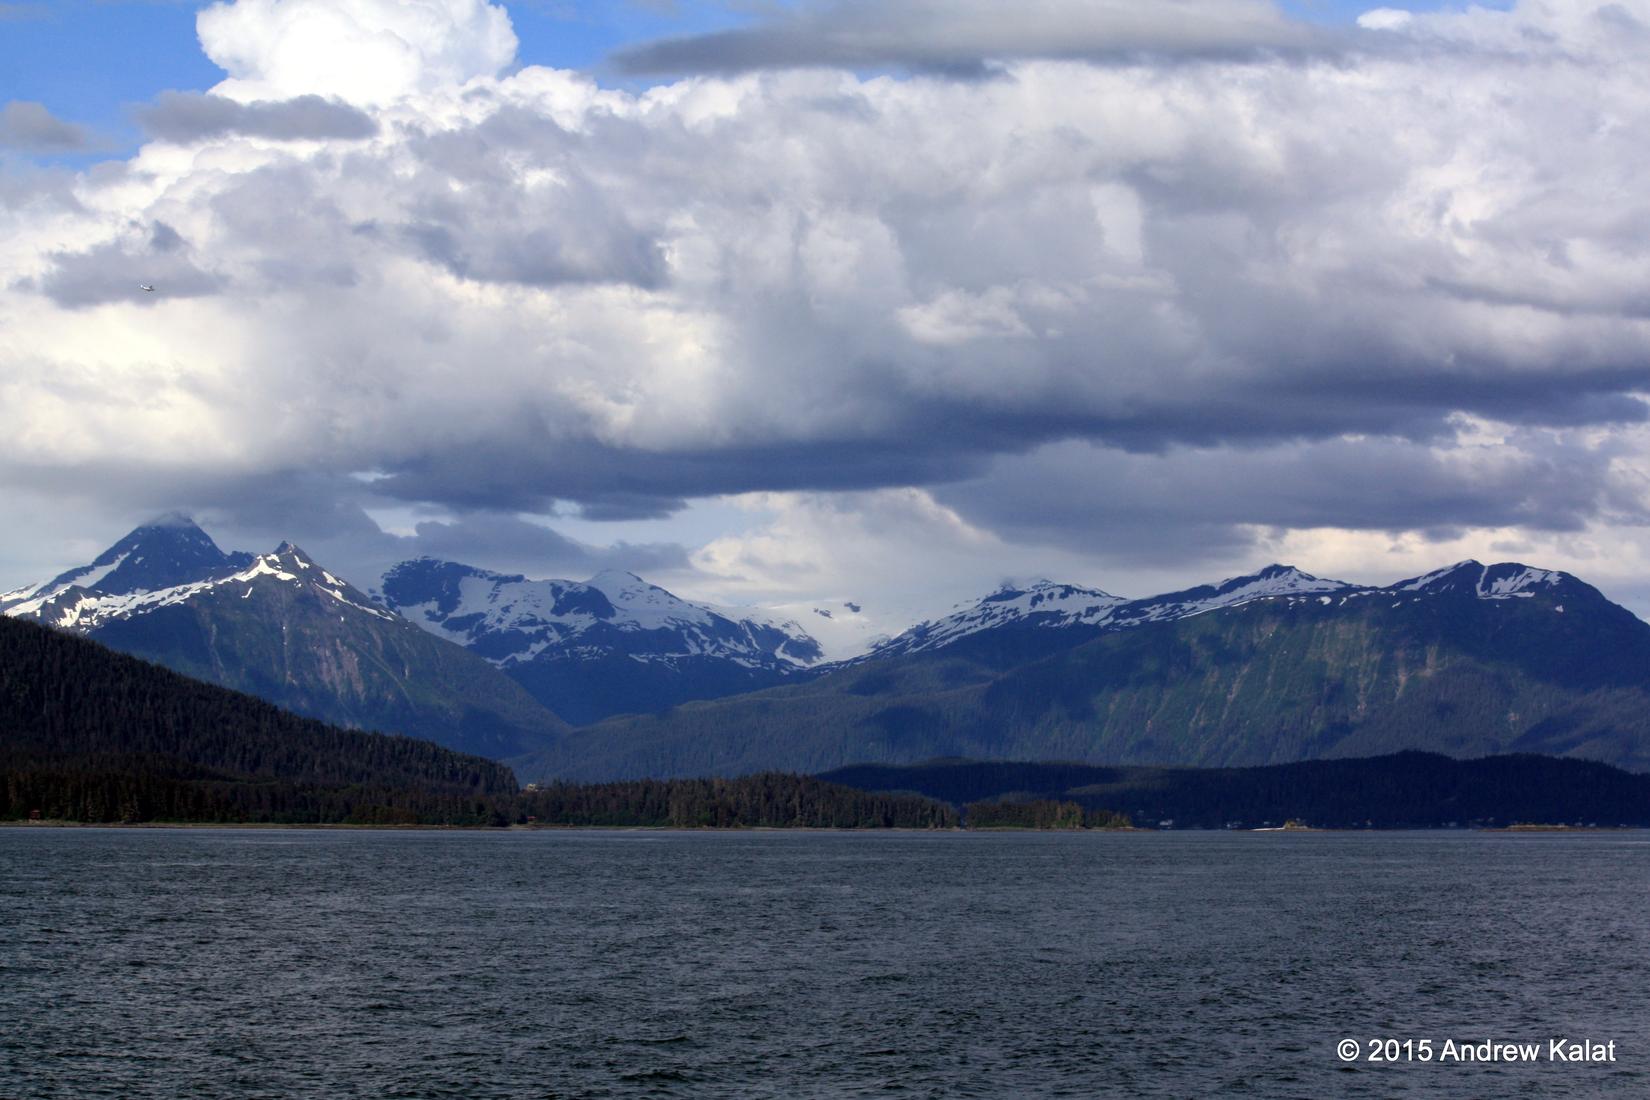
(1384, 19)
(960, 36)
(31, 128)
(363, 51)
(190, 116)
(1249, 295)
(117, 270)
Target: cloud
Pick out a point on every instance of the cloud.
(508, 543)
(1259, 293)
(1384, 19)
(1200, 505)
(116, 271)
(186, 117)
(960, 36)
(31, 128)
(362, 51)
(897, 552)
(335, 527)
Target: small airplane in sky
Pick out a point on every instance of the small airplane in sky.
(146, 286)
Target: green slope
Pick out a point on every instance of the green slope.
(1270, 682)
(298, 647)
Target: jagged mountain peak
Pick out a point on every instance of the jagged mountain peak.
(163, 552)
(292, 555)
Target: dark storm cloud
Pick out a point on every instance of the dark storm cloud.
(185, 117)
(1196, 505)
(31, 128)
(959, 37)
(535, 477)
(510, 544)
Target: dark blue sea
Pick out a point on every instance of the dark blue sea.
(285, 963)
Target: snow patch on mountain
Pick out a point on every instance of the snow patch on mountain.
(1041, 604)
(1273, 582)
(1050, 606)
(1505, 581)
(511, 620)
(1046, 605)
(83, 607)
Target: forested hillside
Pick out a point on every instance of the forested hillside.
(88, 734)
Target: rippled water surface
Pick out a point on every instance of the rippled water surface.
(265, 963)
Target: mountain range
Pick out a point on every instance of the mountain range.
(1268, 668)
(479, 661)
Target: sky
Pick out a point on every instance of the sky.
(800, 303)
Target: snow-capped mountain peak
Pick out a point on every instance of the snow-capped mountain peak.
(1502, 581)
(1046, 605)
(511, 620)
(186, 564)
(1274, 580)
(1041, 604)
(165, 552)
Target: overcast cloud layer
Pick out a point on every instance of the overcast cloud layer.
(1179, 287)
(961, 37)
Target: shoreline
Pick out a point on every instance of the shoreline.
(501, 829)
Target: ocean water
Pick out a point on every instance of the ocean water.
(285, 963)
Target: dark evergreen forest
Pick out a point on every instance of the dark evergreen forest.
(1041, 813)
(771, 800)
(87, 734)
(91, 735)
(1403, 790)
